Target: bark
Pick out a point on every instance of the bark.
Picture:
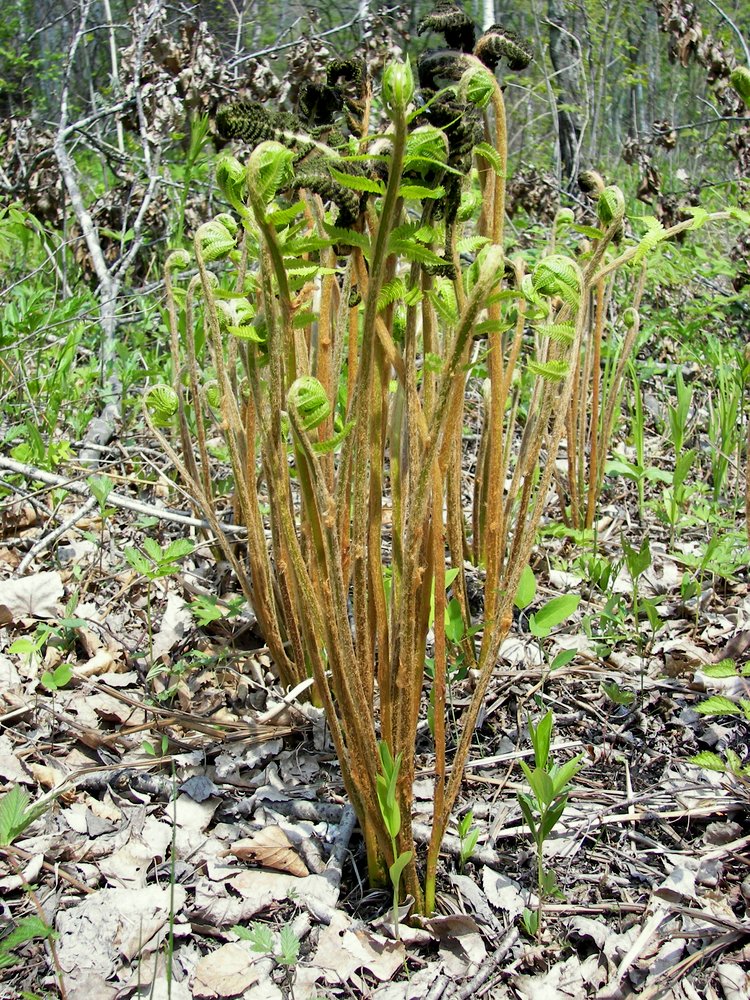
(565, 59)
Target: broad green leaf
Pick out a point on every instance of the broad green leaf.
(541, 738)
(726, 668)
(138, 561)
(565, 773)
(178, 549)
(527, 808)
(562, 659)
(14, 819)
(152, 549)
(398, 866)
(553, 613)
(526, 588)
(454, 622)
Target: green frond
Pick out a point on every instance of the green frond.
(560, 333)
(558, 275)
(348, 237)
(308, 399)
(550, 371)
(471, 244)
(357, 182)
(491, 155)
(416, 192)
(391, 292)
(162, 404)
(656, 233)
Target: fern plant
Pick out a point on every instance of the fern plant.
(331, 333)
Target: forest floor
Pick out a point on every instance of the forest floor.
(192, 796)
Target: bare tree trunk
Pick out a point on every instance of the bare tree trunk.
(566, 64)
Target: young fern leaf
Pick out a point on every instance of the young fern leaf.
(471, 244)
(162, 404)
(356, 182)
(652, 238)
(558, 275)
(348, 237)
(269, 169)
(491, 155)
(325, 447)
(560, 333)
(416, 192)
(443, 299)
(308, 398)
(413, 251)
(392, 291)
(550, 371)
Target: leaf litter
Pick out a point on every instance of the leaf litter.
(204, 798)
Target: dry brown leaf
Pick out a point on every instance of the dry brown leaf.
(100, 663)
(33, 596)
(271, 848)
(343, 948)
(226, 972)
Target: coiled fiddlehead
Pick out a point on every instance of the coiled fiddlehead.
(162, 404)
(558, 275)
(308, 399)
(499, 43)
(451, 21)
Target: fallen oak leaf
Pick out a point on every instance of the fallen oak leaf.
(270, 848)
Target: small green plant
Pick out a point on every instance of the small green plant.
(718, 706)
(618, 695)
(101, 487)
(391, 813)
(155, 563)
(549, 784)
(206, 608)
(27, 929)
(468, 836)
(17, 811)
(679, 414)
(283, 946)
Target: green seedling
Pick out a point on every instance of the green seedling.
(206, 608)
(468, 836)
(155, 563)
(17, 811)
(58, 678)
(548, 617)
(549, 784)
(389, 809)
(679, 414)
(27, 929)
(282, 947)
(148, 747)
(101, 487)
(618, 695)
(674, 497)
(637, 562)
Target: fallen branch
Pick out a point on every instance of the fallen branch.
(116, 499)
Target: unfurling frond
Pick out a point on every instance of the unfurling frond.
(558, 275)
(308, 399)
(550, 371)
(499, 43)
(162, 404)
(215, 239)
